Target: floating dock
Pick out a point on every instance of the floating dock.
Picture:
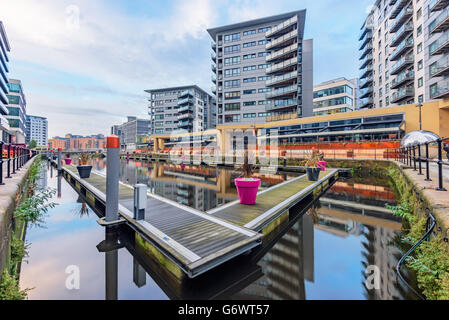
(188, 241)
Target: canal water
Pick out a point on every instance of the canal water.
(323, 254)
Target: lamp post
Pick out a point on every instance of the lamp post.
(419, 105)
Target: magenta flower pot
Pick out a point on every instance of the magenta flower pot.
(68, 161)
(321, 164)
(247, 190)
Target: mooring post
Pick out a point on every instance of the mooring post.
(112, 177)
(59, 160)
(140, 201)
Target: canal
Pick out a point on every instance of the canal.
(322, 254)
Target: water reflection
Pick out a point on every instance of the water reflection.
(322, 254)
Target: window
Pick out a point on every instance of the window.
(264, 114)
(249, 103)
(263, 102)
(232, 37)
(419, 30)
(249, 56)
(261, 42)
(252, 91)
(232, 118)
(263, 54)
(232, 49)
(249, 44)
(419, 48)
(232, 60)
(232, 72)
(264, 78)
(232, 84)
(261, 30)
(248, 80)
(264, 66)
(232, 106)
(419, 13)
(249, 32)
(249, 115)
(249, 68)
(420, 82)
(232, 95)
(420, 64)
(263, 90)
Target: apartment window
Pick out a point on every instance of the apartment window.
(249, 68)
(387, 88)
(232, 37)
(380, 56)
(420, 98)
(232, 49)
(249, 44)
(261, 42)
(386, 49)
(419, 48)
(380, 92)
(248, 80)
(420, 82)
(232, 118)
(232, 84)
(249, 56)
(380, 104)
(420, 64)
(419, 13)
(380, 68)
(378, 33)
(232, 106)
(264, 78)
(386, 37)
(264, 90)
(249, 115)
(263, 30)
(232, 72)
(264, 66)
(264, 114)
(232, 95)
(263, 102)
(232, 60)
(419, 31)
(263, 54)
(252, 91)
(387, 75)
(249, 32)
(249, 103)
(386, 24)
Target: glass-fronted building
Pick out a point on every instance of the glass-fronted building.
(4, 89)
(334, 96)
(37, 130)
(17, 111)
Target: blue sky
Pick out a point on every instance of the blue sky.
(84, 64)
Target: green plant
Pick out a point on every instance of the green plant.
(312, 160)
(19, 250)
(33, 144)
(403, 211)
(33, 208)
(84, 158)
(9, 288)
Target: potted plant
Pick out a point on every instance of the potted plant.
(67, 159)
(247, 186)
(83, 167)
(321, 163)
(312, 168)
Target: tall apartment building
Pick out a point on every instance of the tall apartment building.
(132, 132)
(17, 111)
(4, 89)
(181, 108)
(403, 53)
(335, 96)
(262, 69)
(37, 130)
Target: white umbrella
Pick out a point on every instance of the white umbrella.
(418, 137)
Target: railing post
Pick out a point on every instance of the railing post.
(13, 160)
(9, 162)
(419, 155)
(427, 163)
(59, 160)
(112, 177)
(414, 158)
(1, 163)
(140, 201)
(440, 166)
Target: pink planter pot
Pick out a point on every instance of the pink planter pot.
(68, 161)
(322, 165)
(247, 190)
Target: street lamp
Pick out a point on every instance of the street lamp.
(419, 105)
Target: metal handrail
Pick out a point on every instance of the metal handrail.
(17, 156)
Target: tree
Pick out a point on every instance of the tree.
(33, 144)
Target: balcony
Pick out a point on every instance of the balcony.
(365, 93)
(281, 27)
(404, 47)
(441, 22)
(366, 82)
(282, 116)
(437, 5)
(403, 31)
(213, 67)
(402, 17)
(282, 92)
(185, 116)
(366, 50)
(282, 104)
(213, 79)
(366, 28)
(213, 89)
(213, 45)
(441, 45)
(185, 124)
(366, 103)
(185, 101)
(282, 41)
(366, 40)
(285, 78)
(282, 53)
(441, 90)
(368, 59)
(187, 108)
(288, 64)
(366, 72)
(440, 68)
(402, 79)
(392, 2)
(400, 4)
(186, 93)
(402, 94)
(213, 56)
(402, 64)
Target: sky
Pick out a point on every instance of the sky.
(85, 64)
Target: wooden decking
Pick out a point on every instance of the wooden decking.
(273, 201)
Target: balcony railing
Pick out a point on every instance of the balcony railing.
(282, 65)
(366, 40)
(402, 94)
(436, 5)
(213, 45)
(185, 123)
(185, 116)
(281, 26)
(441, 90)
(279, 104)
(214, 67)
(366, 82)
(213, 56)
(281, 53)
(365, 93)
(401, 64)
(401, 34)
(280, 79)
(367, 60)
(402, 79)
(366, 71)
(213, 89)
(282, 116)
(282, 91)
(440, 68)
(366, 103)
(366, 28)
(441, 45)
(366, 50)
(187, 108)
(402, 48)
(279, 41)
(398, 7)
(213, 79)
(184, 101)
(440, 23)
(406, 13)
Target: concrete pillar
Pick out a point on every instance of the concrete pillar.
(59, 160)
(140, 201)
(112, 177)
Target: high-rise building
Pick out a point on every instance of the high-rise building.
(335, 96)
(262, 69)
(17, 111)
(403, 53)
(132, 132)
(187, 108)
(4, 90)
(37, 130)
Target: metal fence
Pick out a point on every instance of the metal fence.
(16, 156)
